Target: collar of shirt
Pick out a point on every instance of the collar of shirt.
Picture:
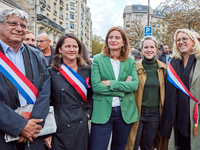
(8, 48)
(114, 61)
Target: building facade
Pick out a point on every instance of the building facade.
(56, 17)
(140, 13)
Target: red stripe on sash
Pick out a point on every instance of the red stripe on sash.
(67, 77)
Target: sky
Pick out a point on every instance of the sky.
(108, 13)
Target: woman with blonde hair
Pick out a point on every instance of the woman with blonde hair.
(180, 109)
(114, 78)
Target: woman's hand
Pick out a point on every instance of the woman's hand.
(129, 78)
(106, 82)
(88, 116)
(47, 141)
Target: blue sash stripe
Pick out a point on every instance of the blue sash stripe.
(24, 94)
(173, 83)
(77, 76)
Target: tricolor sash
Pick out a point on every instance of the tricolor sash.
(176, 81)
(22, 83)
(75, 80)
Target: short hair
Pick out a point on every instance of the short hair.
(166, 45)
(18, 13)
(57, 61)
(29, 31)
(195, 49)
(45, 35)
(136, 53)
(125, 49)
(148, 38)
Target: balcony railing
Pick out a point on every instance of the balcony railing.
(50, 23)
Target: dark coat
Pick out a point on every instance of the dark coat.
(13, 123)
(70, 112)
(162, 57)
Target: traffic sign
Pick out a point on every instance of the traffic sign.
(147, 31)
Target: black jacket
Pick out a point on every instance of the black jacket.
(13, 123)
(162, 57)
(70, 112)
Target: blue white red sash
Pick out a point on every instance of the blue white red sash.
(75, 80)
(22, 83)
(176, 81)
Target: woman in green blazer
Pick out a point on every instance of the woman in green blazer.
(114, 78)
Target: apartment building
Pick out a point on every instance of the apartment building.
(56, 17)
(140, 13)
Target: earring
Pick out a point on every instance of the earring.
(78, 56)
(60, 55)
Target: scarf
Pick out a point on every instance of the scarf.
(176, 110)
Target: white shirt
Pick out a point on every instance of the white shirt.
(116, 68)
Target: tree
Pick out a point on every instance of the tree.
(181, 14)
(96, 45)
(135, 33)
(160, 32)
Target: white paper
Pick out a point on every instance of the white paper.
(49, 126)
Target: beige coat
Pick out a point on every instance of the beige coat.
(138, 98)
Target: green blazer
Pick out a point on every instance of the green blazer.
(102, 98)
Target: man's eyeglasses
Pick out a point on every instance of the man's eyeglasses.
(41, 41)
(15, 24)
(184, 39)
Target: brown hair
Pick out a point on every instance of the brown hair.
(85, 54)
(56, 61)
(124, 50)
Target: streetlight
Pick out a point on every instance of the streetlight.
(148, 13)
(43, 6)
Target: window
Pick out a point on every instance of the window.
(41, 11)
(66, 16)
(66, 26)
(71, 16)
(139, 7)
(66, 6)
(72, 26)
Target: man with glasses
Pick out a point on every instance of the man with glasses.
(24, 80)
(43, 42)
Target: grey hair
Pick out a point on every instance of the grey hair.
(18, 13)
(148, 38)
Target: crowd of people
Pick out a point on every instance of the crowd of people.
(146, 102)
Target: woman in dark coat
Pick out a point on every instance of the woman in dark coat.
(70, 74)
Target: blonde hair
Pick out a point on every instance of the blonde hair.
(125, 50)
(195, 49)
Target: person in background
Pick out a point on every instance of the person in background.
(29, 38)
(43, 42)
(136, 54)
(85, 54)
(114, 78)
(27, 81)
(166, 55)
(178, 120)
(149, 98)
(197, 35)
(71, 96)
